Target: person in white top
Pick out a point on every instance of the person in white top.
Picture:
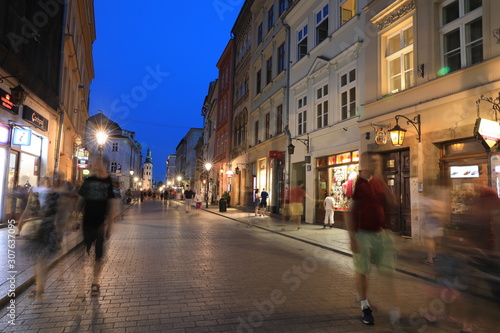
(198, 200)
(329, 204)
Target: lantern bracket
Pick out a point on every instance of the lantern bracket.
(415, 122)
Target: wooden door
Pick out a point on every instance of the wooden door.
(397, 175)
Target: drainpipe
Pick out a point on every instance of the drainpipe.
(287, 111)
(61, 108)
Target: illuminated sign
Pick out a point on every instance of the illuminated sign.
(487, 132)
(469, 171)
(86, 172)
(21, 137)
(6, 103)
(35, 118)
(4, 134)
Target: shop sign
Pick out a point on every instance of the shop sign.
(229, 174)
(344, 158)
(86, 172)
(35, 118)
(467, 171)
(82, 164)
(21, 137)
(488, 133)
(275, 154)
(82, 154)
(4, 134)
(6, 103)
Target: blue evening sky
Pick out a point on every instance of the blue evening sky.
(153, 63)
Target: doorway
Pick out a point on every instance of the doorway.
(397, 176)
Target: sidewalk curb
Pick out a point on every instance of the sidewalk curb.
(31, 280)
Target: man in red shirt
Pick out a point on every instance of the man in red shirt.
(297, 195)
(370, 243)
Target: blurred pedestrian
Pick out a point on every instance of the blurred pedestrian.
(370, 243)
(40, 229)
(198, 199)
(97, 197)
(435, 211)
(65, 205)
(188, 197)
(297, 196)
(257, 201)
(264, 195)
(329, 205)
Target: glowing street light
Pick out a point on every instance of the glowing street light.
(208, 166)
(101, 140)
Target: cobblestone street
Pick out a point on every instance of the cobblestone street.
(169, 271)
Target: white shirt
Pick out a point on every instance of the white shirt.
(329, 203)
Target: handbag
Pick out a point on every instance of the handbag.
(31, 228)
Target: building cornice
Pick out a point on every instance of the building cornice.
(393, 13)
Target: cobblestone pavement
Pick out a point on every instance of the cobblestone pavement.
(169, 271)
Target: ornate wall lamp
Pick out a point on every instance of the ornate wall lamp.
(291, 147)
(398, 134)
(237, 170)
(17, 94)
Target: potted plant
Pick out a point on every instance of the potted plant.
(227, 197)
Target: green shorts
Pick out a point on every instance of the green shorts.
(374, 248)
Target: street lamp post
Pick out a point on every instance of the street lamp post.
(101, 140)
(208, 166)
(131, 178)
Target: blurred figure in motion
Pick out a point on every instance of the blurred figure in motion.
(257, 201)
(65, 205)
(297, 196)
(370, 242)
(435, 211)
(97, 197)
(198, 199)
(39, 228)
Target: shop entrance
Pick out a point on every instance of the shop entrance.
(397, 176)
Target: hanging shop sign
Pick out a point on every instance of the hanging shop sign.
(35, 118)
(488, 133)
(275, 154)
(6, 103)
(21, 137)
(4, 134)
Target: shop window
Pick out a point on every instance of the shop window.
(322, 25)
(399, 58)
(461, 34)
(347, 10)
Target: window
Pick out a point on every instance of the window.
(399, 57)
(301, 122)
(269, 70)
(322, 25)
(240, 129)
(301, 115)
(322, 107)
(279, 119)
(259, 34)
(347, 10)
(282, 6)
(114, 147)
(347, 93)
(113, 165)
(281, 58)
(462, 34)
(270, 18)
(259, 82)
(256, 132)
(302, 43)
(267, 134)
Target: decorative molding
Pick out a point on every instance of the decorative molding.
(396, 15)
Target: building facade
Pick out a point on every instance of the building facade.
(44, 78)
(120, 148)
